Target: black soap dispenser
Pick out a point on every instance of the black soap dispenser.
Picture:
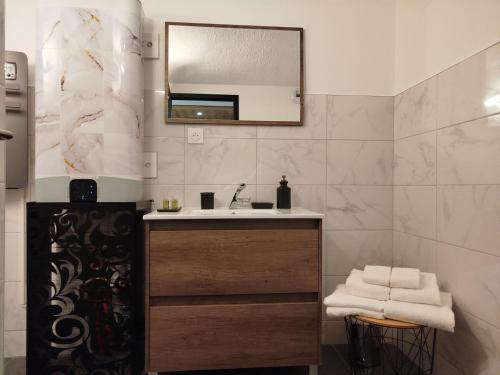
(283, 198)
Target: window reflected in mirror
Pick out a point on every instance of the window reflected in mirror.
(203, 106)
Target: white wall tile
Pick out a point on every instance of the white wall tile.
(415, 160)
(314, 126)
(469, 216)
(474, 348)
(31, 193)
(415, 210)
(470, 153)
(360, 117)
(359, 162)
(170, 157)
(221, 161)
(15, 344)
(14, 312)
(14, 210)
(154, 117)
(302, 161)
(355, 249)
(359, 207)
(415, 110)
(414, 252)
(473, 279)
(465, 87)
(14, 257)
(463, 211)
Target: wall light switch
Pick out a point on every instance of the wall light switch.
(195, 135)
(149, 165)
(151, 46)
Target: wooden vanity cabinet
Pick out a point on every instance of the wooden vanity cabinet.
(224, 294)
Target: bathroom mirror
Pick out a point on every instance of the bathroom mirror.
(233, 75)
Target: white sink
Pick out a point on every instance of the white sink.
(235, 212)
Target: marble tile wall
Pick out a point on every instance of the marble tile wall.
(339, 163)
(358, 191)
(447, 202)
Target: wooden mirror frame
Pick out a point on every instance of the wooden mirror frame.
(234, 122)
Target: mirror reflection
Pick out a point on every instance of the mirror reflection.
(233, 74)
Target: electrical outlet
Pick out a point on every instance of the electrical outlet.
(149, 164)
(151, 46)
(195, 135)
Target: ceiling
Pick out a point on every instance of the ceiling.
(233, 56)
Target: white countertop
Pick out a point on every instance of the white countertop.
(224, 213)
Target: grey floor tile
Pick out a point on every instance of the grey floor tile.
(333, 362)
(15, 366)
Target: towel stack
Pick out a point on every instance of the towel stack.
(399, 293)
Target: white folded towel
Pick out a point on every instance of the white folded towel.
(340, 298)
(405, 278)
(378, 275)
(440, 317)
(340, 312)
(357, 287)
(427, 294)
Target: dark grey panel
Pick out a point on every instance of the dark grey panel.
(16, 119)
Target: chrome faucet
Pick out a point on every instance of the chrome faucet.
(236, 202)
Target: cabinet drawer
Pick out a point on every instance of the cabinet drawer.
(212, 262)
(204, 337)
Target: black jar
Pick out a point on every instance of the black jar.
(283, 196)
(207, 201)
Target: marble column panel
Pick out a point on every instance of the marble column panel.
(89, 114)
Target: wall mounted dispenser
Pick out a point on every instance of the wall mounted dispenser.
(16, 119)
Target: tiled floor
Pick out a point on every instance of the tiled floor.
(15, 366)
(334, 363)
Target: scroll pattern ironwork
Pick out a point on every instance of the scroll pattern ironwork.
(80, 310)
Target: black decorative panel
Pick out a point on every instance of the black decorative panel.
(84, 291)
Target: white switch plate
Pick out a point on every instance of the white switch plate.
(149, 164)
(195, 135)
(151, 46)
